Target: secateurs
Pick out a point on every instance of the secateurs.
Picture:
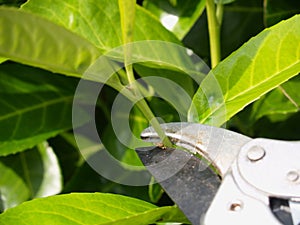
(240, 181)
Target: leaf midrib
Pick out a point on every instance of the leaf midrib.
(264, 81)
(248, 90)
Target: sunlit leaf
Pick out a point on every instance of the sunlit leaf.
(2, 59)
(98, 21)
(263, 63)
(127, 17)
(178, 17)
(89, 209)
(43, 44)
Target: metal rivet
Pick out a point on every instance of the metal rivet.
(236, 206)
(256, 153)
(293, 176)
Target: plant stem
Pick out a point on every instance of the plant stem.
(214, 30)
(143, 106)
(127, 15)
(145, 109)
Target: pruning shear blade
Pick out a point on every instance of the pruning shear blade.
(187, 179)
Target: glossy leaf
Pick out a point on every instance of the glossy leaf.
(276, 10)
(89, 209)
(98, 21)
(31, 174)
(179, 17)
(13, 189)
(51, 183)
(2, 59)
(263, 63)
(35, 105)
(43, 44)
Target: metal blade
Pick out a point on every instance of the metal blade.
(189, 182)
(219, 146)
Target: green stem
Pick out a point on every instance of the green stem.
(143, 106)
(145, 109)
(146, 91)
(127, 16)
(214, 31)
(123, 76)
(129, 72)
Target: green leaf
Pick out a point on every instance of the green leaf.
(43, 44)
(127, 14)
(35, 105)
(277, 105)
(34, 173)
(13, 189)
(178, 18)
(68, 155)
(155, 191)
(263, 63)
(49, 173)
(290, 90)
(72, 161)
(274, 103)
(277, 10)
(89, 209)
(2, 59)
(98, 21)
